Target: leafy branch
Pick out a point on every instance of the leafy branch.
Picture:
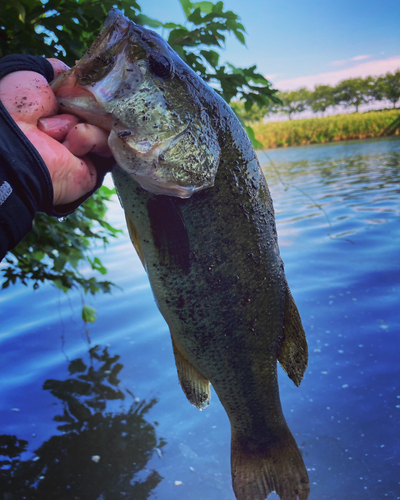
(53, 250)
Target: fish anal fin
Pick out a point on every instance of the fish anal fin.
(195, 386)
(134, 235)
(274, 466)
(293, 355)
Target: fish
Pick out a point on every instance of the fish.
(201, 218)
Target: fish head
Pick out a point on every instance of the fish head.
(133, 84)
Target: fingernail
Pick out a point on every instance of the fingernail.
(47, 124)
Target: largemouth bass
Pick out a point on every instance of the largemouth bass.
(201, 218)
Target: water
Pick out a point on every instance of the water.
(337, 210)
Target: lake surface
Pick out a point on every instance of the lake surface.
(111, 422)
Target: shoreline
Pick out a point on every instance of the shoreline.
(329, 129)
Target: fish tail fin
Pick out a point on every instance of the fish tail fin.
(260, 469)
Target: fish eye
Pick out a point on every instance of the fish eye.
(160, 66)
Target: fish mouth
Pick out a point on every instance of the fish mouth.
(144, 148)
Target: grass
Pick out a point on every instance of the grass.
(328, 129)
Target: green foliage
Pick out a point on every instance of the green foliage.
(207, 25)
(294, 101)
(57, 28)
(252, 136)
(388, 87)
(321, 98)
(252, 115)
(327, 129)
(353, 92)
(88, 314)
(54, 251)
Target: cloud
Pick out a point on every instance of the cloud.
(346, 61)
(359, 58)
(272, 77)
(370, 68)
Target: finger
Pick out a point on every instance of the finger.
(84, 138)
(72, 177)
(27, 96)
(81, 179)
(58, 66)
(58, 126)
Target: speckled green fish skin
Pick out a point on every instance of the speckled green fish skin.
(215, 270)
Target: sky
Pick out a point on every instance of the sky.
(305, 43)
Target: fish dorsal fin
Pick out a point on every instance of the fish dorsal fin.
(194, 385)
(293, 355)
(135, 238)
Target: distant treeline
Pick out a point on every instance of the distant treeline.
(351, 92)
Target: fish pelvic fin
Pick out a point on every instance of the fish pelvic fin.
(195, 386)
(293, 355)
(276, 466)
(134, 235)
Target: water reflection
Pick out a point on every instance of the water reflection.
(101, 454)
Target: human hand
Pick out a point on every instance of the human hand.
(60, 139)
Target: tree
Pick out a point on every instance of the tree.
(354, 92)
(388, 87)
(295, 101)
(321, 98)
(65, 29)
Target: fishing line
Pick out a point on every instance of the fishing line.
(62, 326)
(320, 207)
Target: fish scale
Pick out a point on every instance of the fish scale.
(201, 218)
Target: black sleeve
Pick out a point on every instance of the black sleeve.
(25, 183)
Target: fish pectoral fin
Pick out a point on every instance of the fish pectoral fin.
(134, 235)
(193, 383)
(293, 355)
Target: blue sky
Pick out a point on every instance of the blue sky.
(303, 43)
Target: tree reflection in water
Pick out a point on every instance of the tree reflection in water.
(100, 453)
